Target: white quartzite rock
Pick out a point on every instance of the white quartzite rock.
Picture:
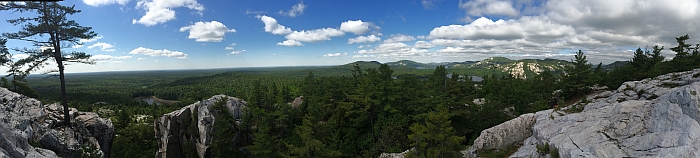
(24, 119)
(656, 117)
(171, 131)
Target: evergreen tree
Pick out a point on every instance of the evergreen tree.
(578, 77)
(52, 22)
(435, 137)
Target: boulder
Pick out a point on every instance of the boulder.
(655, 117)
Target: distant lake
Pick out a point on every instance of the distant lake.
(149, 100)
(153, 99)
(477, 78)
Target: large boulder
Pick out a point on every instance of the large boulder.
(656, 117)
(24, 120)
(175, 129)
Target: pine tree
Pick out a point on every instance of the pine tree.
(435, 137)
(578, 76)
(52, 22)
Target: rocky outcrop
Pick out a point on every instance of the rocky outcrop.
(656, 117)
(175, 130)
(24, 120)
(397, 155)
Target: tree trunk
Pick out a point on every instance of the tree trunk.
(64, 96)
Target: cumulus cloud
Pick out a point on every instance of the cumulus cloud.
(423, 45)
(156, 53)
(105, 58)
(103, 46)
(316, 35)
(290, 43)
(213, 31)
(605, 30)
(335, 54)
(399, 38)
(484, 28)
(297, 9)
(357, 27)
(161, 11)
(142, 59)
(97, 3)
(273, 27)
(364, 39)
(489, 7)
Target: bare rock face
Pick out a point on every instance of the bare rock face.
(397, 155)
(656, 117)
(174, 129)
(24, 120)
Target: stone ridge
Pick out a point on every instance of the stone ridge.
(655, 117)
(24, 120)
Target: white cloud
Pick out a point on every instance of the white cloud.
(19, 56)
(230, 46)
(489, 7)
(484, 28)
(142, 59)
(233, 52)
(83, 41)
(161, 11)
(91, 40)
(105, 58)
(155, 53)
(247, 11)
(335, 54)
(103, 46)
(316, 35)
(399, 38)
(5, 3)
(236, 52)
(290, 43)
(543, 29)
(213, 31)
(97, 3)
(364, 39)
(357, 27)
(429, 4)
(297, 9)
(273, 27)
(423, 45)
(452, 50)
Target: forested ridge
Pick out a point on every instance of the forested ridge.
(360, 113)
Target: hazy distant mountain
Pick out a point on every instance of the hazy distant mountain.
(523, 68)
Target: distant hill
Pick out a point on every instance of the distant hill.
(612, 65)
(523, 68)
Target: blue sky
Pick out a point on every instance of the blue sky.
(197, 34)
